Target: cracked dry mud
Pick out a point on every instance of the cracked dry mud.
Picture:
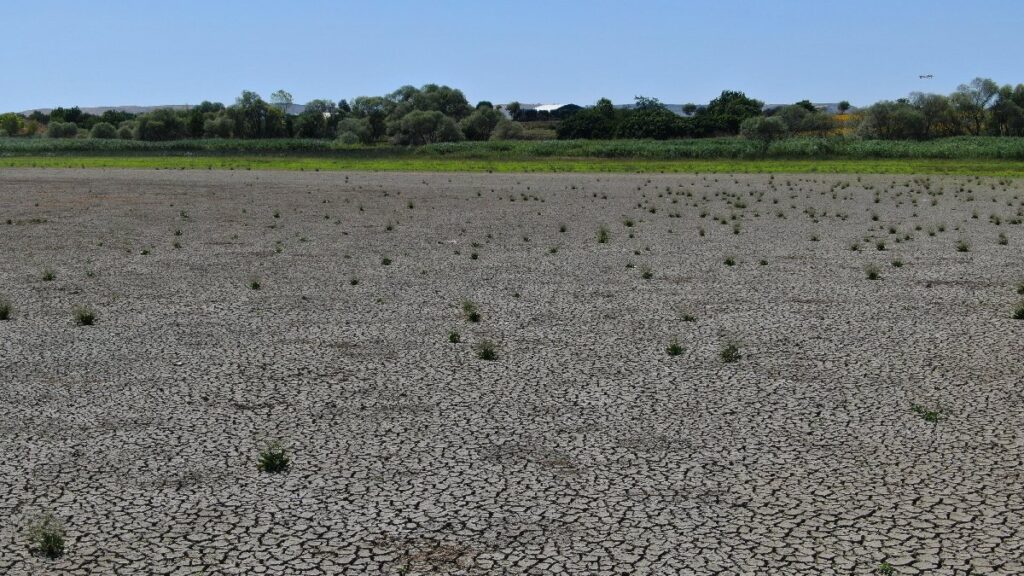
(584, 448)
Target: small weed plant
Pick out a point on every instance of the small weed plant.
(487, 350)
(46, 536)
(470, 310)
(730, 353)
(273, 458)
(84, 316)
(674, 348)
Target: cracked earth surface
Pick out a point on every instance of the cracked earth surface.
(584, 448)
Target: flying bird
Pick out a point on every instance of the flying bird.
(926, 76)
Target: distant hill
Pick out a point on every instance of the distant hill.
(676, 108)
(97, 110)
(831, 107)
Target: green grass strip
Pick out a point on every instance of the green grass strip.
(966, 167)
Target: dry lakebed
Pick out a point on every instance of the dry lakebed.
(244, 372)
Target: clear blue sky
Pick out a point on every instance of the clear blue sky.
(116, 52)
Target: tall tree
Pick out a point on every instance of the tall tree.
(728, 111)
(939, 117)
(971, 100)
(282, 100)
(514, 109)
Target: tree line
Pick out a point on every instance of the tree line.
(435, 113)
(408, 115)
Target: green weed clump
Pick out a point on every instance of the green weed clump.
(46, 536)
(470, 310)
(5, 308)
(487, 350)
(730, 352)
(928, 415)
(84, 315)
(273, 458)
(674, 348)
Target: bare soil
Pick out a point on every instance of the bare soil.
(866, 424)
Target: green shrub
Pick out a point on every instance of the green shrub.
(46, 536)
(84, 316)
(62, 130)
(103, 130)
(454, 337)
(508, 130)
(730, 352)
(219, 127)
(602, 235)
(486, 350)
(5, 308)
(928, 415)
(273, 458)
(1018, 311)
(674, 348)
(424, 127)
(481, 124)
(470, 310)
(872, 272)
(763, 130)
(963, 246)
